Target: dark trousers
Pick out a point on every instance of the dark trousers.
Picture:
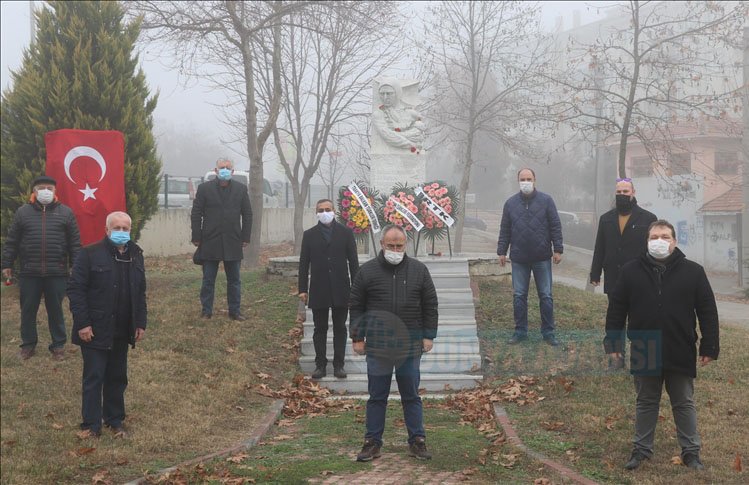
(104, 383)
(408, 376)
(233, 286)
(320, 336)
(32, 288)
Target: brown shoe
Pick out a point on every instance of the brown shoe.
(369, 451)
(118, 431)
(88, 434)
(418, 449)
(26, 353)
(58, 354)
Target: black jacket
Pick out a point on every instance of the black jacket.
(614, 248)
(91, 291)
(221, 220)
(393, 307)
(661, 303)
(329, 285)
(44, 238)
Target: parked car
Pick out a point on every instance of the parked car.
(181, 191)
(474, 223)
(269, 198)
(568, 218)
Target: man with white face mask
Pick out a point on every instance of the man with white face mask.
(44, 237)
(329, 249)
(663, 294)
(393, 321)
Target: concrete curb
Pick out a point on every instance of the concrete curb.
(257, 434)
(513, 438)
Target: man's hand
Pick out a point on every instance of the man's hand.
(704, 360)
(244, 244)
(360, 348)
(196, 243)
(595, 283)
(8, 273)
(86, 333)
(303, 297)
(616, 355)
(557, 258)
(139, 333)
(502, 260)
(427, 344)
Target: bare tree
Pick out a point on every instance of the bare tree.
(487, 56)
(648, 77)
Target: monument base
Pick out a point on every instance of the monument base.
(388, 170)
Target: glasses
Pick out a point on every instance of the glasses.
(625, 179)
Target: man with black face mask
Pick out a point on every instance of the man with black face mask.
(622, 236)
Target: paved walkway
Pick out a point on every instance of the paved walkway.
(395, 468)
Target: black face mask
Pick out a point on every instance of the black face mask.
(623, 204)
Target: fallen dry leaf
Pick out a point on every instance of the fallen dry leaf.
(468, 471)
(230, 350)
(508, 461)
(10, 442)
(325, 473)
(82, 451)
(283, 437)
(541, 481)
(101, 478)
(238, 458)
(262, 376)
(552, 426)
(737, 466)
(676, 460)
(57, 426)
(122, 462)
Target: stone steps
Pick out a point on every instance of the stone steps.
(357, 383)
(444, 344)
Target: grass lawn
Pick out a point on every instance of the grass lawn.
(191, 381)
(587, 417)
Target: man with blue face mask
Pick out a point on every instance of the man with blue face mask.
(221, 222)
(329, 249)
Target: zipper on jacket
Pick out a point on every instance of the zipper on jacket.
(44, 240)
(395, 293)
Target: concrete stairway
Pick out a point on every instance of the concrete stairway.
(455, 360)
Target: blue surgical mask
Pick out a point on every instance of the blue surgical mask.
(224, 174)
(119, 238)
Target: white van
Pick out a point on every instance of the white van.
(269, 199)
(181, 191)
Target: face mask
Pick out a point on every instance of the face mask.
(326, 217)
(658, 248)
(119, 238)
(526, 187)
(224, 174)
(393, 257)
(623, 204)
(45, 196)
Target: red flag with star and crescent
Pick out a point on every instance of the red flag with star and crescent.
(89, 168)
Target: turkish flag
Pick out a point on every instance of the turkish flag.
(89, 167)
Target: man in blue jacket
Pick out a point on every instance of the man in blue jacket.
(530, 227)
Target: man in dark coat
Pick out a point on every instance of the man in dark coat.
(221, 225)
(622, 236)
(663, 294)
(44, 236)
(530, 226)
(107, 293)
(330, 249)
(393, 321)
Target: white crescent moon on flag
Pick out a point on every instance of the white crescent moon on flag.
(82, 151)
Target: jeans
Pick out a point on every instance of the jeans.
(32, 288)
(320, 336)
(408, 376)
(521, 277)
(104, 383)
(233, 286)
(680, 390)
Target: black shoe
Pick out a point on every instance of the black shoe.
(237, 316)
(369, 451)
(551, 340)
(418, 449)
(517, 338)
(635, 460)
(319, 373)
(205, 315)
(339, 372)
(692, 460)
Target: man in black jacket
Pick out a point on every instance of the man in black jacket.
(221, 224)
(330, 249)
(393, 320)
(107, 293)
(622, 236)
(661, 292)
(44, 236)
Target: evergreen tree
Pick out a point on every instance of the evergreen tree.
(80, 72)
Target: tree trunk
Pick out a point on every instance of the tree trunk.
(462, 190)
(632, 90)
(299, 202)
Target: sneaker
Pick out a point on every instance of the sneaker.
(339, 372)
(237, 316)
(635, 460)
(26, 353)
(692, 460)
(58, 354)
(369, 451)
(551, 340)
(517, 338)
(319, 373)
(418, 449)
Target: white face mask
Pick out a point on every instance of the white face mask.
(526, 187)
(326, 217)
(45, 196)
(393, 257)
(658, 248)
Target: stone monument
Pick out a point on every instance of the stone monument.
(398, 133)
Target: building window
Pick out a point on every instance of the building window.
(642, 167)
(680, 164)
(726, 163)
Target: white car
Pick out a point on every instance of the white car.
(269, 199)
(181, 191)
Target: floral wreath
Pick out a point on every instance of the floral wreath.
(350, 212)
(406, 196)
(446, 196)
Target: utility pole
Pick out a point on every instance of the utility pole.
(744, 246)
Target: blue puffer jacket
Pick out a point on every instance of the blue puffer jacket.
(529, 227)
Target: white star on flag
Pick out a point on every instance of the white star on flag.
(88, 193)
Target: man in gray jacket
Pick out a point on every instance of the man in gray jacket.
(44, 237)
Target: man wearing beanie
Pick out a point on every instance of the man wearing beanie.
(44, 238)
